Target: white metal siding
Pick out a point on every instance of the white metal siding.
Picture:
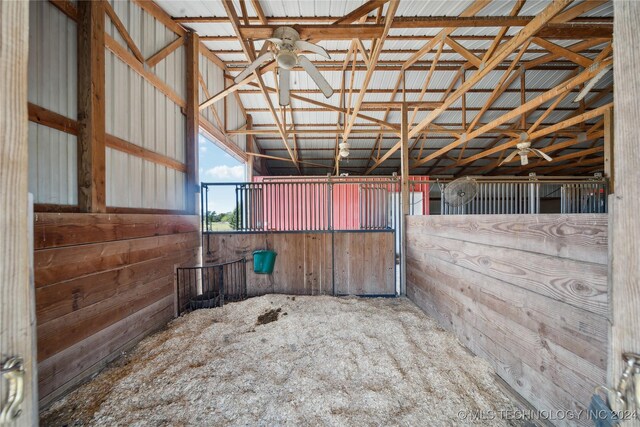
(214, 79)
(139, 113)
(52, 166)
(133, 182)
(52, 85)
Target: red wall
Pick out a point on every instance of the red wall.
(300, 203)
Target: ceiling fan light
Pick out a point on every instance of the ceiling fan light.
(344, 153)
(287, 59)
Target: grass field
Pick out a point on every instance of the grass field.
(219, 226)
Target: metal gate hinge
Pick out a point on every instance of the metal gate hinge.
(13, 371)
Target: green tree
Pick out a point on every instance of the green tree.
(232, 217)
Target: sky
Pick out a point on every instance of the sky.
(218, 166)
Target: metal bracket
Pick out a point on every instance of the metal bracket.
(13, 371)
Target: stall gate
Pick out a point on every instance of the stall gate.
(334, 236)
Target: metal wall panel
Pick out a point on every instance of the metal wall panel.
(139, 113)
(213, 77)
(52, 165)
(52, 85)
(133, 182)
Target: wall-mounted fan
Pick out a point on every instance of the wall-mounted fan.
(286, 45)
(461, 191)
(523, 149)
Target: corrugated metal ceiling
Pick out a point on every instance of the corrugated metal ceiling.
(475, 39)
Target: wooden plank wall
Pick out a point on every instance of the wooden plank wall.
(364, 262)
(103, 282)
(528, 293)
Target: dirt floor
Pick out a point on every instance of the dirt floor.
(278, 359)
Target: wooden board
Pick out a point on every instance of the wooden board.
(534, 303)
(364, 262)
(56, 230)
(625, 227)
(16, 286)
(580, 237)
(95, 275)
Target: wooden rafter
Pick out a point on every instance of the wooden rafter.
(501, 53)
(391, 11)
(537, 40)
(154, 59)
(123, 31)
(270, 66)
(539, 100)
(235, 23)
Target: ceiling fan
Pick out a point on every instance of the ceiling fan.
(286, 47)
(523, 149)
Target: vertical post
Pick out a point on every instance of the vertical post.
(91, 107)
(221, 284)
(193, 121)
(17, 300)
(624, 228)
(404, 196)
(608, 148)
(250, 149)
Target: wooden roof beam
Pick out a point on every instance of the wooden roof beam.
(534, 103)
(270, 66)
(391, 11)
(504, 51)
(235, 23)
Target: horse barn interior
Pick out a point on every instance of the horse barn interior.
(437, 224)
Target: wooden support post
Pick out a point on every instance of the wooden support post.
(404, 196)
(193, 121)
(608, 148)
(91, 107)
(624, 228)
(17, 300)
(250, 149)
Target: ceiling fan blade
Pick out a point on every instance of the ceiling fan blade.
(509, 158)
(264, 49)
(542, 154)
(592, 83)
(278, 42)
(306, 46)
(254, 65)
(322, 83)
(524, 159)
(284, 86)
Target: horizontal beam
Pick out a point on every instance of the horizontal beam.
(318, 32)
(135, 150)
(409, 91)
(362, 67)
(400, 22)
(396, 106)
(572, 30)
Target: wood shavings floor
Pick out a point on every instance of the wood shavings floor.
(324, 361)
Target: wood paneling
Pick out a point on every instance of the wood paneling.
(526, 292)
(103, 281)
(55, 230)
(16, 290)
(364, 262)
(625, 226)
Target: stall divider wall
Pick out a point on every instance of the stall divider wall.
(104, 272)
(528, 293)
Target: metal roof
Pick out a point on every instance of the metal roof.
(401, 44)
